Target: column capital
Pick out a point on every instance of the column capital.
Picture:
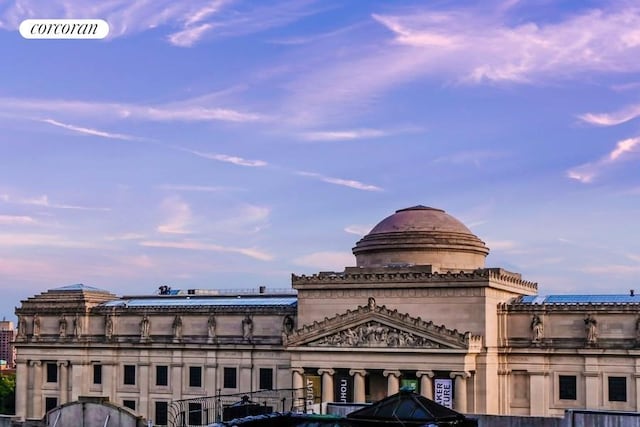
(63, 363)
(34, 363)
(328, 371)
(395, 373)
(429, 374)
(461, 374)
(297, 371)
(361, 372)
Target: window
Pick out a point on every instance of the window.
(162, 375)
(617, 389)
(131, 404)
(52, 373)
(195, 376)
(97, 374)
(195, 414)
(266, 379)
(50, 403)
(162, 409)
(129, 374)
(229, 378)
(567, 387)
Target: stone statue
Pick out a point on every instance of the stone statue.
(177, 327)
(374, 334)
(247, 327)
(22, 327)
(371, 303)
(145, 327)
(537, 328)
(108, 326)
(36, 326)
(287, 325)
(638, 331)
(62, 326)
(591, 326)
(211, 326)
(77, 326)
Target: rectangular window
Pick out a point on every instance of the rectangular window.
(617, 389)
(52, 372)
(195, 376)
(50, 403)
(266, 379)
(567, 387)
(195, 414)
(130, 374)
(131, 404)
(162, 375)
(97, 374)
(229, 378)
(162, 409)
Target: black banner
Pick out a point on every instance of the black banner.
(342, 388)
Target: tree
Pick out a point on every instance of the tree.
(8, 393)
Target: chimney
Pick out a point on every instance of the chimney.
(262, 289)
(631, 292)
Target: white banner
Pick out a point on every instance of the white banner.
(444, 392)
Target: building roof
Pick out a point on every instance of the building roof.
(79, 287)
(212, 301)
(580, 299)
(420, 218)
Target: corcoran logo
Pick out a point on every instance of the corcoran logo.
(64, 29)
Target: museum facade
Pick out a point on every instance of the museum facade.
(419, 309)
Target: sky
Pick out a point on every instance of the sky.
(228, 144)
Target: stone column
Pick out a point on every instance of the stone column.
(636, 377)
(393, 381)
(592, 389)
(460, 391)
(143, 401)
(108, 385)
(538, 394)
(426, 383)
(176, 381)
(22, 372)
(297, 382)
(64, 381)
(36, 394)
(327, 384)
(358, 385)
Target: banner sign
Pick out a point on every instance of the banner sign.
(312, 389)
(443, 392)
(409, 384)
(342, 388)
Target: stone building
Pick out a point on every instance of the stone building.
(419, 308)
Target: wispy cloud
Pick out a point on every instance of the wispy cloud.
(612, 119)
(239, 161)
(587, 172)
(12, 240)
(189, 36)
(197, 188)
(358, 230)
(17, 220)
(43, 201)
(178, 215)
(89, 131)
(327, 260)
(474, 157)
(343, 135)
(200, 109)
(340, 181)
(203, 246)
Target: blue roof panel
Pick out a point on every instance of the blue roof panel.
(203, 301)
(79, 287)
(581, 299)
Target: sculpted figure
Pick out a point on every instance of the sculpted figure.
(108, 326)
(638, 330)
(177, 327)
(145, 327)
(77, 327)
(62, 326)
(247, 327)
(371, 303)
(591, 326)
(287, 325)
(22, 327)
(36, 326)
(537, 328)
(211, 326)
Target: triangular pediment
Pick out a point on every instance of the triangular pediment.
(374, 326)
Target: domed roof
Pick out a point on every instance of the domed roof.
(420, 218)
(421, 235)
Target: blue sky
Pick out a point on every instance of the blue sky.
(228, 144)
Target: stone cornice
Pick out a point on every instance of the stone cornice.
(581, 308)
(194, 310)
(407, 276)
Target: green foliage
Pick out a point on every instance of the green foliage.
(7, 393)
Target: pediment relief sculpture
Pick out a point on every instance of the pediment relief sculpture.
(374, 334)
